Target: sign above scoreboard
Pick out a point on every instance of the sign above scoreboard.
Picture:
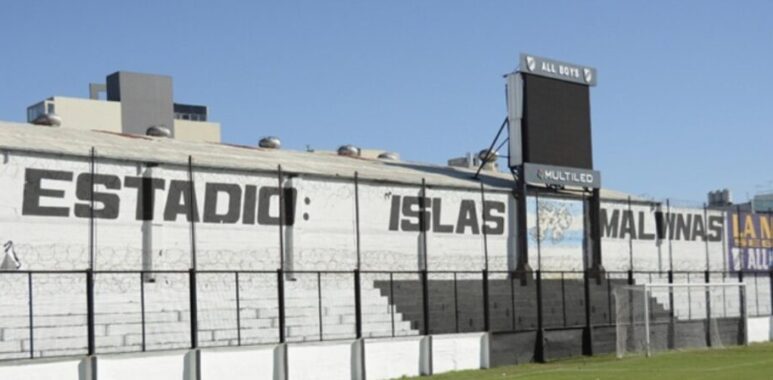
(532, 64)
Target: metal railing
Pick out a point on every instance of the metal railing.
(88, 312)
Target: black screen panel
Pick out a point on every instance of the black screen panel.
(556, 123)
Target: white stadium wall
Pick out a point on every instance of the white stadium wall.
(237, 227)
(235, 222)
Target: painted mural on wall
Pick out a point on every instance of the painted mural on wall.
(750, 241)
(556, 231)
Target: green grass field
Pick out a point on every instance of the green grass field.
(736, 363)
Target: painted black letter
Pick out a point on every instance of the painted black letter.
(109, 201)
(498, 227)
(231, 215)
(178, 201)
(33, 192)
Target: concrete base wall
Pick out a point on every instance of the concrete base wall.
(236, 364)
(393, 357)
(760, 329)
(457, 352)
(48, 370)
(373, 359)
(174, 365)
(321, 361)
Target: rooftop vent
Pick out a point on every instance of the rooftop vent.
(270, 142)
(158, 131)
(48, 120)
(389, 156)
(484, 159)
(488, 156)
(349, 151)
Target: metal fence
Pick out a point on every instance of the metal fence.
(63, 313)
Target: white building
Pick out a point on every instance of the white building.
(133, 103)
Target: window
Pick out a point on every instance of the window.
(33, 112)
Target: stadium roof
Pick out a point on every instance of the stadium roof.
(74, 142)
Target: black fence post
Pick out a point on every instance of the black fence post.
(609, 298)
(631, 319)
(456, 304)
(707, 279)
(90, 310)
(280, 290)
(672, 315)
(281, 217)
(238, 311)
(393, 303)
(92, 222)
(319, 305)
(192, 210)
(357, 219)
(142, 308)
(425, 301)
(770, 283)
(563, 299)
(357, 304)
(743, 292)
(587, 342)
(194, 308)
(486, 312)
(539, 354)
(32, 329)
(423, 224)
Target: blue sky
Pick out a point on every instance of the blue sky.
(683, 105)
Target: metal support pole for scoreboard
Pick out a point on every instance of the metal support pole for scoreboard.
(539, 355)
(587, 342)
(522, 268)
(491, 147)
(597, 268)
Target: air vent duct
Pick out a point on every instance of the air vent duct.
(349, 151)
(158, 131)
(488, 157)
(48, 120)
(270, 142)
(389, 156)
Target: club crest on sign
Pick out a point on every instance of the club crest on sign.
(531, 64)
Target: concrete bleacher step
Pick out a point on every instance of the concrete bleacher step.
(60, 320)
